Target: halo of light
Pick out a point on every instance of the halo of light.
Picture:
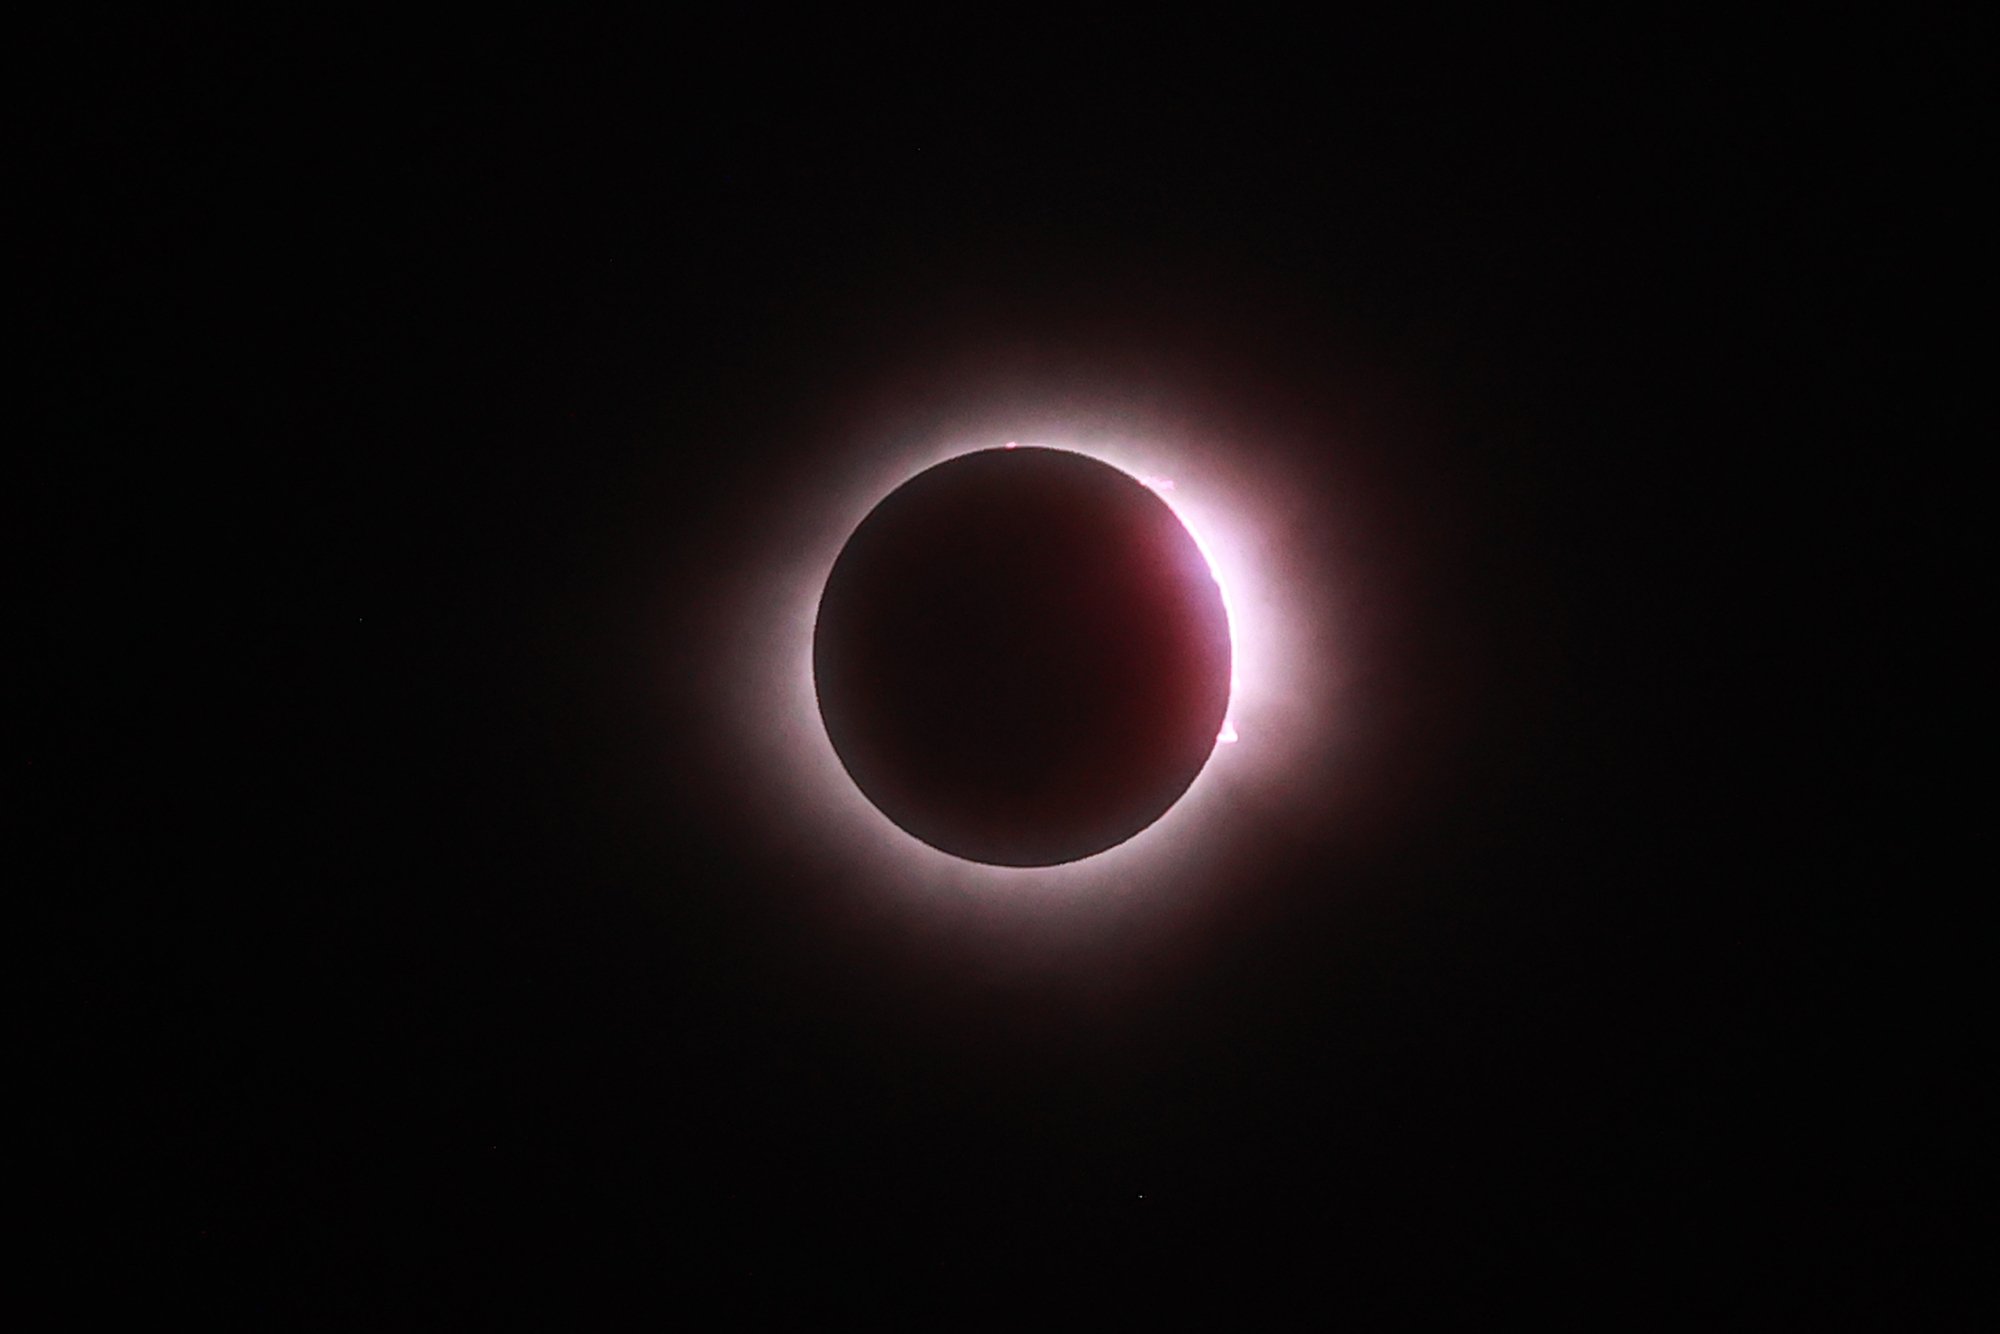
(1277, 719)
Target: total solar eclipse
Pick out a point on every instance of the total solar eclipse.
(1022, 657)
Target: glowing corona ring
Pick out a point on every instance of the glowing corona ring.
(1267, 727)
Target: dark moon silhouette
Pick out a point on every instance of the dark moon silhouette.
(1022, 657)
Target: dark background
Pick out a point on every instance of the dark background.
(391, 390)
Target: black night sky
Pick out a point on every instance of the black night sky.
(407, 939)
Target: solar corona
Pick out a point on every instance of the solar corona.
(898, 819)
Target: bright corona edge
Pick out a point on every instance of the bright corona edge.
(798, 765)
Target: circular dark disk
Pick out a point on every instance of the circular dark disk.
(1022, 657)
